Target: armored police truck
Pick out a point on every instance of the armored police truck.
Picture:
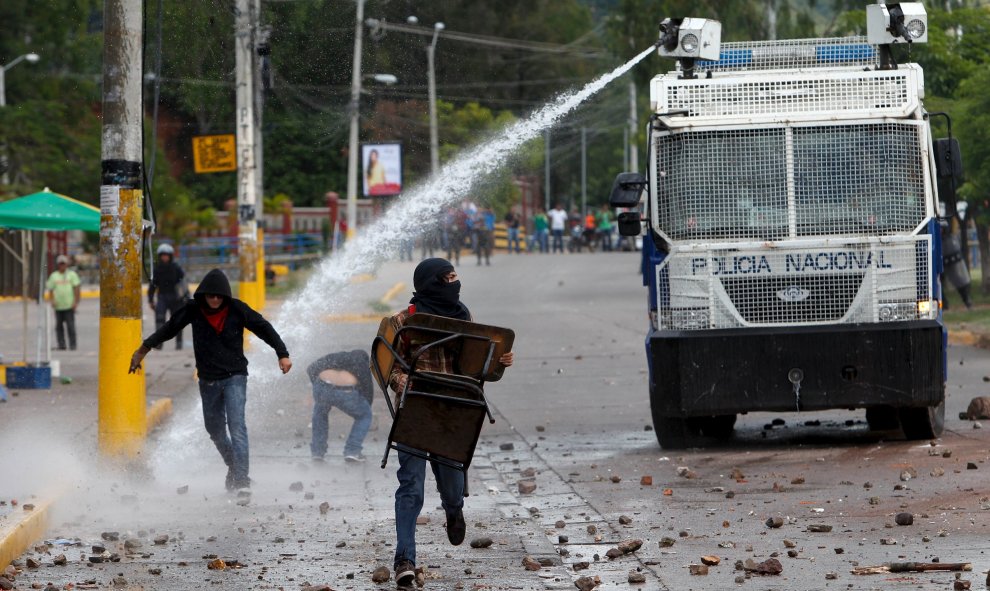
(793, 250)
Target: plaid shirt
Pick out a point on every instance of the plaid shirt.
(436, 359)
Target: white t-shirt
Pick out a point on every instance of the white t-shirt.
(558, 219)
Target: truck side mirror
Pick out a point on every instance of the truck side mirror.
(630, 223)
(948, 158)
(626, 190)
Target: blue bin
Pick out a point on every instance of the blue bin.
(29, 377)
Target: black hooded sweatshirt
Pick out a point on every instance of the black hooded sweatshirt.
(219, 355)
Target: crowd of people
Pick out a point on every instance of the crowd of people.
(467, 226)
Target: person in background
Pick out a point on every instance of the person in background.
(512, 228)
(540, 226)
(341, 380)
(558, 224)
(64, 291)
(605, 228)
(485, 227)
(437, 292)
(169, 282)
(456, 222)
(218, 322)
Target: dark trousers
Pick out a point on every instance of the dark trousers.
(170, 305)
(65, 321)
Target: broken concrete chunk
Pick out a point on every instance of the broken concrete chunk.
(770, 566)
(710, 560)
(630, 546)
(381, 575)
(526, 487)
(484, 542)
(530, 564)
(587, 583)
(636, 577)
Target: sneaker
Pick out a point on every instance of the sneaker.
(354, 458)
(318, 457)
(229, 482)
(405, 573)
(456, 527)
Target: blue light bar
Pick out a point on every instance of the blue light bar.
(781, 54)
(845, 53)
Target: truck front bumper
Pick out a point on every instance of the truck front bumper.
(707, 373)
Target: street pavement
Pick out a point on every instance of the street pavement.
(573, 411)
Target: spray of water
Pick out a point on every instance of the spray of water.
(324, 294)
(457, 179)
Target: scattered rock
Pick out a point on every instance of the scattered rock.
(583, 565)
(32, 563)
(296, 486)
(562, 539)
(481, 542)
(154, 571)
(60, 560)
(530, 564)
(309, 496)
(775, 522)
(540, 428)
(979, 408)
(636, 577)
(630, 546)
(888, 542)
(507, 446)
(587, 583)
(646, 481)
(960, 584)
(560, 524)
(132, 544)
(904, 519)
(789, 544)
(819, 528)
(710, 560)
(182, 489)
(591, 529)
(798, 480)
(666, 542)
(215, 564)
(547, 562)
(698, 569)
(381, 575)
(317, 588)
(340, 545)
(161, 540)
(831, 576)
(770, 566)
(624, 520)
(110, 536)
(324, 508)
(971, 466)
(28, 506)
(528, 473)
(908, 474)
(616, 478)
(736, 474)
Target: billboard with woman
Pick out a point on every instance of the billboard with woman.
(382, 169)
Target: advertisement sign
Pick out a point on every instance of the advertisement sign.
(382, 165)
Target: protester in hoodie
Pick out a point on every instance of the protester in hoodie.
(437, 292)
(218, 322)
(169, 282)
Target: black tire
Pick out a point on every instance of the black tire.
(673, 432)
(718, 427)
(882, 418)
(924, 422)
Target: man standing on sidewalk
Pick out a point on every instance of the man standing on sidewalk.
(63, 289)
(218, 322)
(437, 292)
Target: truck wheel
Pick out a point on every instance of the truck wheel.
(718, 427)
(882, 418)
(673, 432)
(923, 422)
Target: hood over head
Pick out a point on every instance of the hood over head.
(215, 283)
(433, 294)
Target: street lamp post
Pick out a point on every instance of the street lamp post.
(32, 58)
(431, 80)
(352, 150)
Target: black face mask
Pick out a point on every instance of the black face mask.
(441, 298)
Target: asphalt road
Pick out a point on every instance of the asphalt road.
(573, 408)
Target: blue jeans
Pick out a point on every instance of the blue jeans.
(558, 240)
(223, 410)
(513, 239)
(409, 499)
(350, 402)
(541, 240)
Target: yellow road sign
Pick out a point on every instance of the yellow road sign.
(215, 153)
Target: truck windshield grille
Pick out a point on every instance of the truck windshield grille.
(790, 182)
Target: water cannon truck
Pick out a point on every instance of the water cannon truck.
(793, 251)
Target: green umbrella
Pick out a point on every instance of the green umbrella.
(49, 211)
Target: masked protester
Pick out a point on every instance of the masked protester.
(437, 292)
(218, 322)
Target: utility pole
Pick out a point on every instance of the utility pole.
(546, 170)
(584, 171)
(122, 418)
(633, 124)
(352, 150)
(261, 86)
(431, 79)
(248, 202)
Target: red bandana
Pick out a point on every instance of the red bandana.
(217, 319)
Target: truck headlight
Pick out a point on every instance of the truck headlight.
(916, 28)
(898, 312)
(689, 43)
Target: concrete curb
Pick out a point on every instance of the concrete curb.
(160, 410)
(23, 531)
